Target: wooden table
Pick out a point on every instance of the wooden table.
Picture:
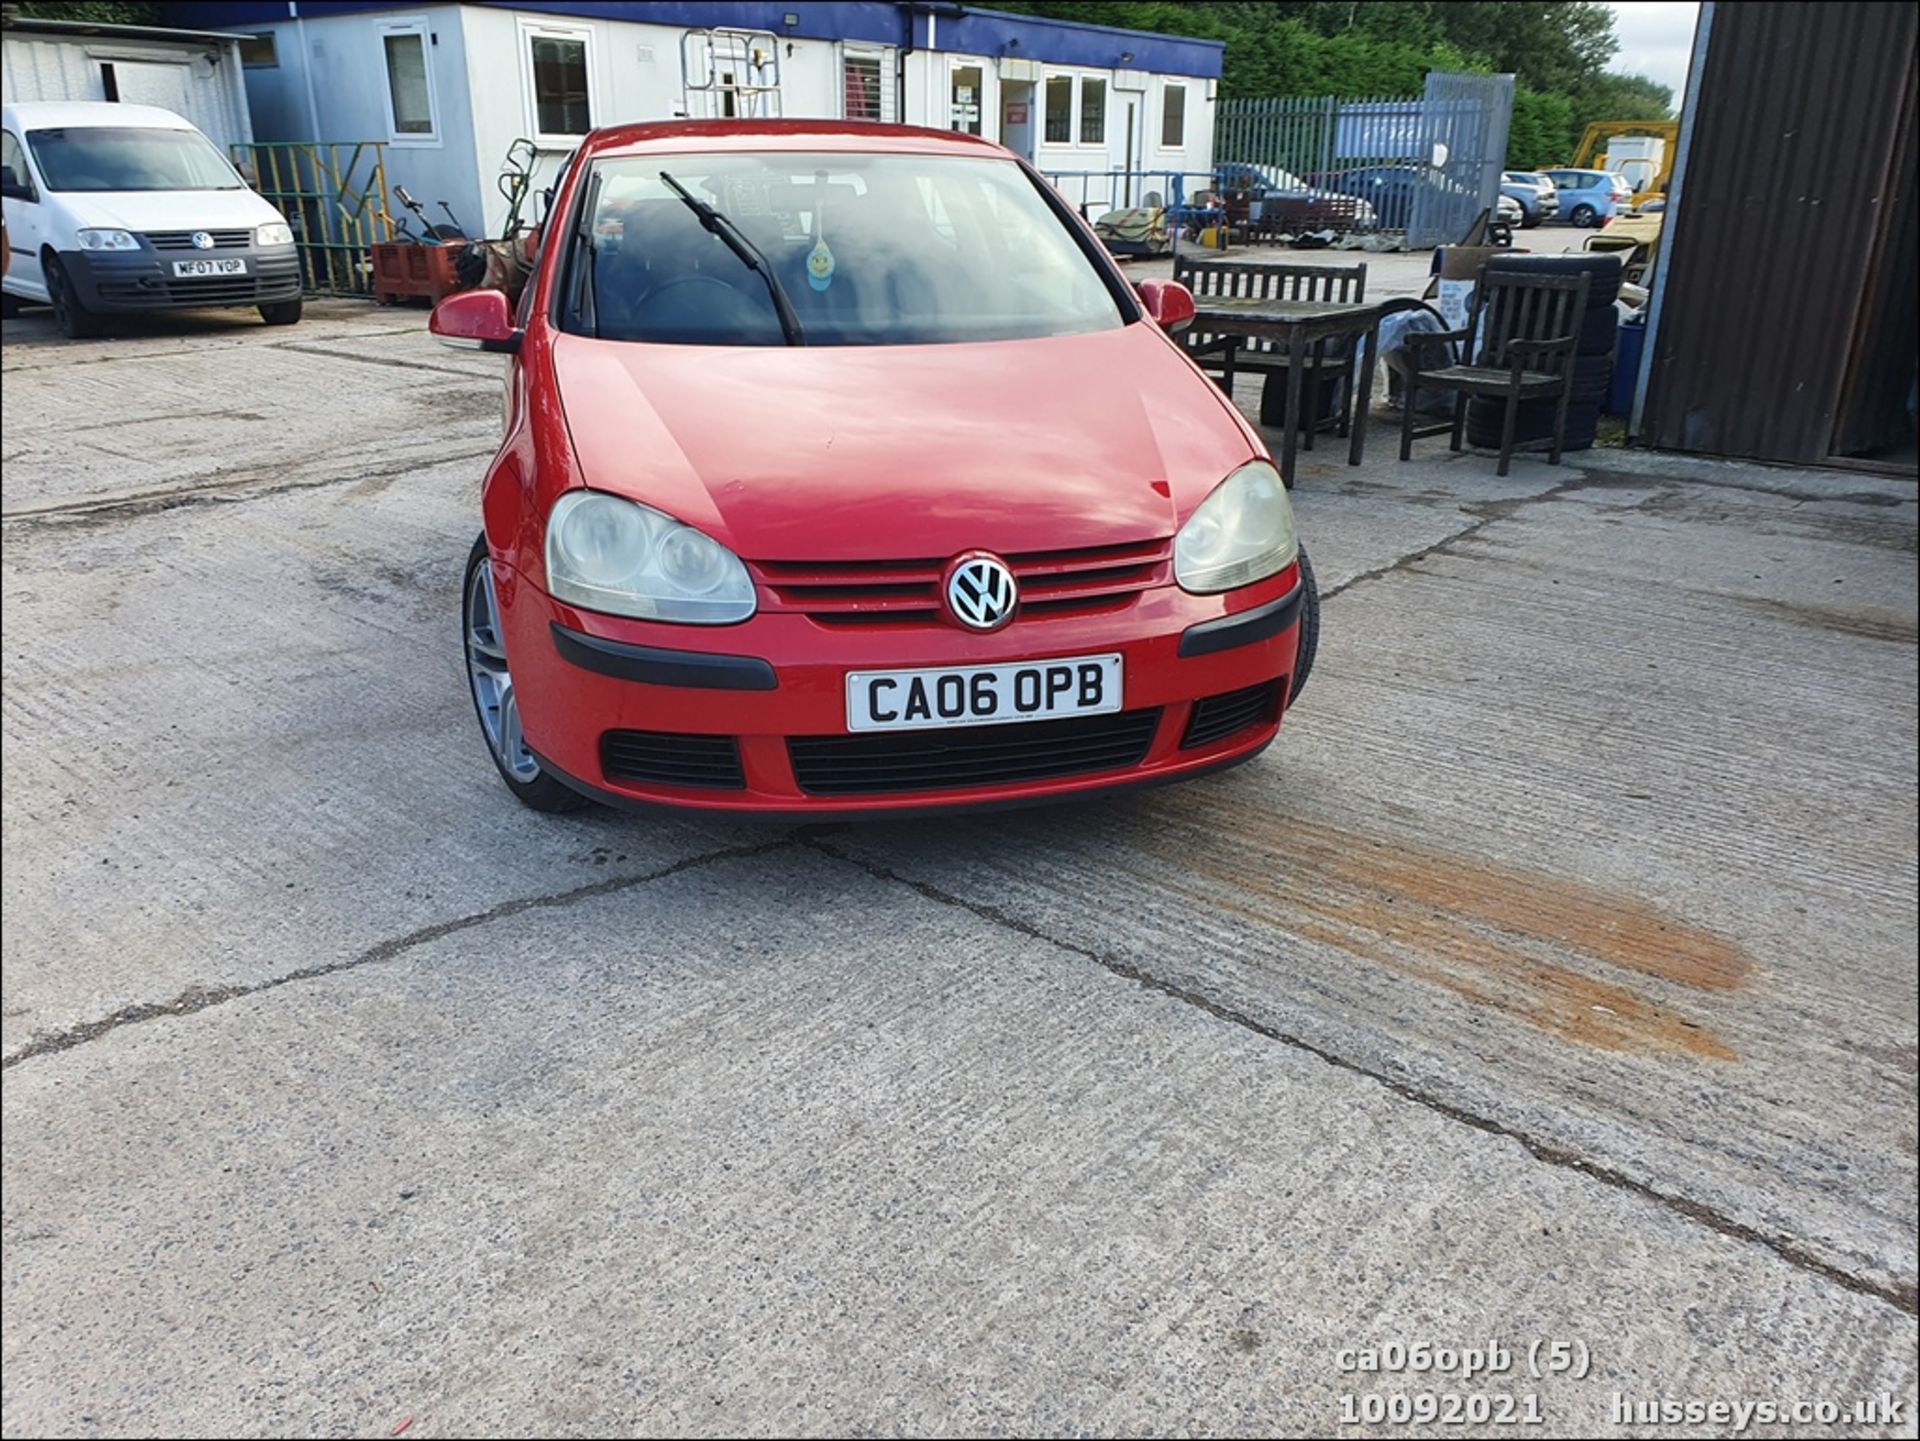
(1300, 324)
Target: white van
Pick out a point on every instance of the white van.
(113, 208)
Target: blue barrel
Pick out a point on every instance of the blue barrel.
(1626, 366)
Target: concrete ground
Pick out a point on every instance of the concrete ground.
(1551, 981)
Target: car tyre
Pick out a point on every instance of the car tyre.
(491, 686)
(1585, 216)
(9, 305)
(281, 312)
(1599, 331)
(1485, 418)
(75, 320)
(1309, 644)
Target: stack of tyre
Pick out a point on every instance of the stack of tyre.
(1592, 358)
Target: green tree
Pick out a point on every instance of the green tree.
(1557, 50)
(95, 12)
(1542, 132)
(1608, 96)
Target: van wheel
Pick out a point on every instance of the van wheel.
(281, 312)
(76, 321)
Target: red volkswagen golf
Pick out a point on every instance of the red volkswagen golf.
(843, 471)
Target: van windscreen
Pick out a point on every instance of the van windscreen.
(117, 157)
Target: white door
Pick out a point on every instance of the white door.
(144, 82)
(1016, 116)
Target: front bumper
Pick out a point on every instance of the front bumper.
(772, 683)
(143, 279)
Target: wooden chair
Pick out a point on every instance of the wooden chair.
(1241, 279)
(1528, 328)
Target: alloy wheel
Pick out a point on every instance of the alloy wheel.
(493, 695)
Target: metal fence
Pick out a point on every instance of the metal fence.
(1425, 165)
(334, 195)
(1094, 193)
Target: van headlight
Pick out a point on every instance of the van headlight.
(616, 556)
(107, 239)
(1241, 533)
(277, 232)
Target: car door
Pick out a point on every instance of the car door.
(26, 215)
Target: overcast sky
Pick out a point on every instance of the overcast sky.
(1656, 39)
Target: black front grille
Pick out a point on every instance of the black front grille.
(664, 758)
(933, 760)
(213, 290)
(1219, 716)
(200, 290)
(183, 239)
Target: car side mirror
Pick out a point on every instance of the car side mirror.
(475, 320)
(1168, 303)
(12, 189)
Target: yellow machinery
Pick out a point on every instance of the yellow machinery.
(1593, 145)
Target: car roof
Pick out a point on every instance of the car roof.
(59, 114)
(681, 137)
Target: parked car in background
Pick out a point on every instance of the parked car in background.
(1533, 193)
(116, 208)
(1279, 200)
(1391, 191)
(1590, 197)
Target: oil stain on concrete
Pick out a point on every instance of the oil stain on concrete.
(1557, 954)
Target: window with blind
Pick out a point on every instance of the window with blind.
(561, 97)
(1093, 111)
(409, 95)
(860, 85)
(1173, 115)
(1059, 129)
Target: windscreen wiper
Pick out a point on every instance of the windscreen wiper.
(735, 240)
(588, 286)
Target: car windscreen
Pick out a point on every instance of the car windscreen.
(116, 157)
(868, 250)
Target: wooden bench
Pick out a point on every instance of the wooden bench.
(1239, 279)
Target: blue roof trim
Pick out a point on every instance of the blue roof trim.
(1069, 42)
(958, 28)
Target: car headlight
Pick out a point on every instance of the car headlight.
(276, 233)
(108, 240)
(1241, 533)
(616, 556)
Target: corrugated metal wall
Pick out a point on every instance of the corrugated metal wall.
(1780, 221)
(203, 80)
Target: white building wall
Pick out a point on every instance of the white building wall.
(329, 83)
(200, 80)
(483, 91)
(635, 73)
